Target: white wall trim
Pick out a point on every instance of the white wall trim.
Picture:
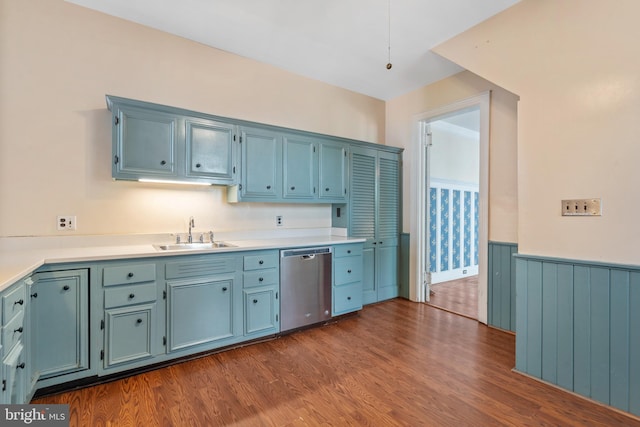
(418, 205)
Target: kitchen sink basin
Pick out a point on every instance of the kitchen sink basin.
(193, 246)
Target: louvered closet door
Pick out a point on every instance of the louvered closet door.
(362, 214)
(363, 193)
(388, 209)
(388, 221)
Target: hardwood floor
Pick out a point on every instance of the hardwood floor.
(457, 296)
(396, 364)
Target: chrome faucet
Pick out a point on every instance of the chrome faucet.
(191, 225)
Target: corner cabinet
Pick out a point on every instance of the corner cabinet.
(151, 141)
(13, 352)
(59, 324)
(374, 214)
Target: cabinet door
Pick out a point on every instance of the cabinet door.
(333, 172)
(145, 143)
(200, 311)
(13, 382)
(130, 334)
(299, 168)
(369, 284)
(388, 223)
(387, 270)
(261, 310)
(260, 164)
(59, 322)
(363, 194)
(210, 150)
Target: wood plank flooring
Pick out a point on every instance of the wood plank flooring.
(398, 363)
(458, 296)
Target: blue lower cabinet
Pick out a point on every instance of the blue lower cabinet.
(59, 316)
(260, 311)
(261, 284)
(348, 274)
(130, 321)
(200, 312)
(129, 334)
(14, 381)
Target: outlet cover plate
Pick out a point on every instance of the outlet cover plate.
(582, 207)
(66, 222)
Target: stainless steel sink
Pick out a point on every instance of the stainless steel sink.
(193, 246)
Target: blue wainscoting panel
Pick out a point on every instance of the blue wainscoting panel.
(634, 343)
(564, 374)
(620, 338)
(578, 326)
(501, 297)
(550, 322)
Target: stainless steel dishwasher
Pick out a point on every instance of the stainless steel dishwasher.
(305, 287)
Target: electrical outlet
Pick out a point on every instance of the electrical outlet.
(582, 207)
(279, 220)
(66, 222)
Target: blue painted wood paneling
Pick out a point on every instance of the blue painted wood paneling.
(549, 322)
(501, 286)
(634, 343)
(521, 314)
(619, 351)
(534, 326)
(578, 326)
(564, 374)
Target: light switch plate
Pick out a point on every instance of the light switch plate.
(582, 207)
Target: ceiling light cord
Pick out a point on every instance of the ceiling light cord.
(389, 65)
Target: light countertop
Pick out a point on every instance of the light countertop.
(21, 256)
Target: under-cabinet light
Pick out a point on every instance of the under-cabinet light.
(162, 181)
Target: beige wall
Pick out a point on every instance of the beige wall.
(401, 113)
(576, 68)
(57, 62)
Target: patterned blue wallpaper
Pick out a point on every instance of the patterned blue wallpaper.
(444, 229)
(433, 229)
(453, 226)
(467, 228)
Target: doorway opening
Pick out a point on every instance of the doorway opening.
(453, 168)
(453, 208)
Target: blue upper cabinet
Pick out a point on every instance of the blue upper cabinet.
(145, 143)
(300, 168)
(332, 172)
(261, 164)
(152, 141)
(210, 150)
(290, 167)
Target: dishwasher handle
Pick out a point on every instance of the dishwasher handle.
(306, 253)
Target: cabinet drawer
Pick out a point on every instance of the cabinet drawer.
(122, 275)
(261, 278)
(347, 250)
(13, 303)
(266, 260)
(347, 298)
(12, 332)
(347, 270)
(129, 295)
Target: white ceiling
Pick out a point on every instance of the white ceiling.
(340, 42)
